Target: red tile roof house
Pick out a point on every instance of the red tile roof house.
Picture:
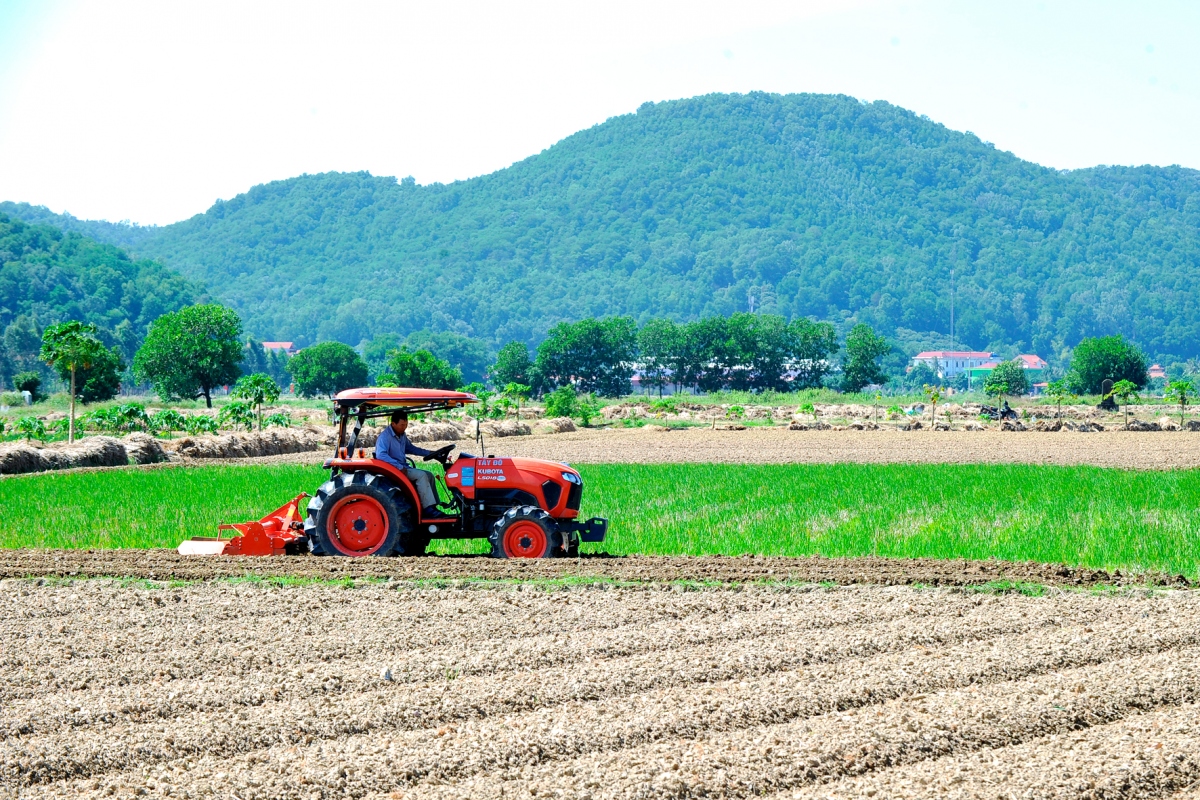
(1156, 371)
(287, 347)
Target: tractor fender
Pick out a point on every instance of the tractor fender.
(375, 466)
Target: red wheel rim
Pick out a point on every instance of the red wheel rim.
(525, 539)
(358, 525)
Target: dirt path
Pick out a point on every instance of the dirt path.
(240, 690)
(1161, 450)
(167, 564)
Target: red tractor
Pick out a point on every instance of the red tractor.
(526, 507)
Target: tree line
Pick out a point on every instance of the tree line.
(743, 351)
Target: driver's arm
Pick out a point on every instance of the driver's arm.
(412, 449)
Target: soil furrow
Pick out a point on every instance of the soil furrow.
(500, 757)
(1148, 755)
(332, 715)
(507, 638)
(805, 753)
(165, 565)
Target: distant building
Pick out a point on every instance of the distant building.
(287, 347)
(1035, 367)
(1156, 371)
(949, 363)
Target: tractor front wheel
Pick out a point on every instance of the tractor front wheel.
(354, 514)
(525, 532)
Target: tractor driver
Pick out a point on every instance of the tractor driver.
(392, 446)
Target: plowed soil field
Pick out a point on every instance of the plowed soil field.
(778, 445)
(242, 690)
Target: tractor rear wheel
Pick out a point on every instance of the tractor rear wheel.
(357, 514)
(525, 532)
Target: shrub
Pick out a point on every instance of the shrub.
(278, 420)
(562, 402)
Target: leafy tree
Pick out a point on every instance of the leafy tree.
(258, 390)
(254, 360)
(100, 380)
(595, 355)
(191, 352)
(422, 370)
(1181, 393)
(860, 366)
(277, 367)
(813, 345)
(1006, 380)
(29, 382)
(326, 369)
(23, 341)
(469, 356)
(71, 347)
(1106, 358)
(659, 343)
(377, 352)
(920, 375)
(1125, 392)
(513, 365)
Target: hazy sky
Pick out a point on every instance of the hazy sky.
(150, 111)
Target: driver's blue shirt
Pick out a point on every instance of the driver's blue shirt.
(392, 448)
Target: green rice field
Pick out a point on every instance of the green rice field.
(1084, 516)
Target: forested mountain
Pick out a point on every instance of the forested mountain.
(802, 205)
(48, 276)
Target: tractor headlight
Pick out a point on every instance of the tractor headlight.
(571, 477)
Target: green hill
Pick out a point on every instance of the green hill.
(811, 205)
(48, 276)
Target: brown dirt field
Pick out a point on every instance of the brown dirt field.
(240, 690)
(169, 565)
(777, 445)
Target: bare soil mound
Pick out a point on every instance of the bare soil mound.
(92, 451)
(219, 690)
(167, 564)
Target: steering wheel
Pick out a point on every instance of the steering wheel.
(440, 454)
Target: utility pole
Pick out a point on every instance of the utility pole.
(952, 308)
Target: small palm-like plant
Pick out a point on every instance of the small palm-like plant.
(167, 420)
(809, 408)
(257, 390)
(235, 415)
(31, 428)
(1180, 393)
(200, 423)
(933, 394)
(278, 420)
(1124, 392)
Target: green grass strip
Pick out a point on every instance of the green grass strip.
(1086, 516)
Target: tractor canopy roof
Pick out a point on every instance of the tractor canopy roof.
(375, 400)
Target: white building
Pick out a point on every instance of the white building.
(949, 363)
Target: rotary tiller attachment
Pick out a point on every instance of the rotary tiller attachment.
(278, 533)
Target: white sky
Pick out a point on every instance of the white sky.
(150, 111)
